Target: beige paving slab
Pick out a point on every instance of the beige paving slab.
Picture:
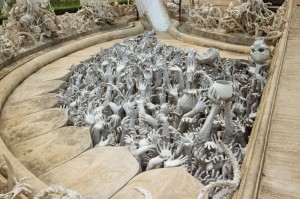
(48, 151)
(175, 183)
(18, 130)
(96, 174)
(28, 90)
(13, 109)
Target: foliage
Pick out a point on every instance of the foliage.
(64, 3)
(8, 4)
(63, 9)
(2, 18)
(122, 1)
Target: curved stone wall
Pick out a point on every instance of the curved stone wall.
(201, 41)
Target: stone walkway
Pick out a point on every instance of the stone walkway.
(280, 176)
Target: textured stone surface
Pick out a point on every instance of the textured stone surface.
(50, 74)
(97, 173)
(27, 90)
(173, 183)
(64, 63)
(23, 128)
(48, 151)
(13, 109)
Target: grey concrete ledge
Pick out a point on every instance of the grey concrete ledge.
(13, 79)
(201, 41)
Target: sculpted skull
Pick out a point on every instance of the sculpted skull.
(260, 52)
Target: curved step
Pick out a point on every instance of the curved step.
(97, 173)
(48, 151)
(15, 108)
(28, 90)
(20, 129)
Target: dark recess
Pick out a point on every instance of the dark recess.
(275, 2)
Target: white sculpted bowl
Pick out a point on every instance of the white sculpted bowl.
(223, 88)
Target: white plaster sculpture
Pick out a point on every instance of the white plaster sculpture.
(223, 88)
(33, 22)
(146, 193)
(229, 186)
(57, 192)
(260, 53)
(206, 16)
(251, 18)
(13, 187)
(166, 104)
(171, 5)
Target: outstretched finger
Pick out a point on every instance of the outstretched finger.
(207, 101)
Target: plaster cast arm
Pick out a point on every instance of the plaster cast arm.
(178, 70)
(228, 121)
(154, 162)
(175, 163)
(199, 107)
(205, 131)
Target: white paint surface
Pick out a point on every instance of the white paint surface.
(156, 12)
